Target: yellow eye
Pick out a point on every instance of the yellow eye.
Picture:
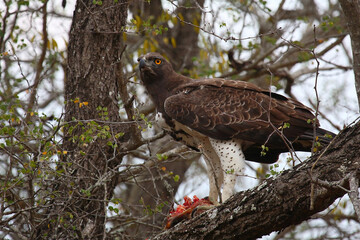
(157, 61)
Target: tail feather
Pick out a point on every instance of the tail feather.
(302, 143)
(322, 136)
(305, 141)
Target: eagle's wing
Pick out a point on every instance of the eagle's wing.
(226, 109)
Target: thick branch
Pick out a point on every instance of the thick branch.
(282, 201)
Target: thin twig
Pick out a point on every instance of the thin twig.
(315, 121)
(312, 190)
(39, 67)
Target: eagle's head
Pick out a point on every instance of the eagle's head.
(159, 78)
(154, 66)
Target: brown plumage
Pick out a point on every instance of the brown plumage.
(215, 114)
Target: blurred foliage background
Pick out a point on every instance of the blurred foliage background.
(280, 44)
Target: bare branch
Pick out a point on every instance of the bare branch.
(40, 62)
(354, 193)
(351, 10)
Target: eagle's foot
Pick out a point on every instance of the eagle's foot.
(190, 208)
(203, 208)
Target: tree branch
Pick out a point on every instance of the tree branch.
(282, 201)
(39, 67)
(351, 10)
(354, 193)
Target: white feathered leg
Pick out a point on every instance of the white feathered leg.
(232, 162)
(215, 173)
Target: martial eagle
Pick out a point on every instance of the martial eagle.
(228, 121)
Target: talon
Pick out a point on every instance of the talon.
(188, 210)
(200, 209)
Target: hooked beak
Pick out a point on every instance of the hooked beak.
(145, 66)
(142, 63)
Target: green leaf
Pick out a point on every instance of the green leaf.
(286, 125)
(176, 178)
(161, 156)
(23, 3)
(120, 134)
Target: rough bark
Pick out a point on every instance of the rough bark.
(86, 172)
(351, 10)
(282, 201)
(94, 69)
